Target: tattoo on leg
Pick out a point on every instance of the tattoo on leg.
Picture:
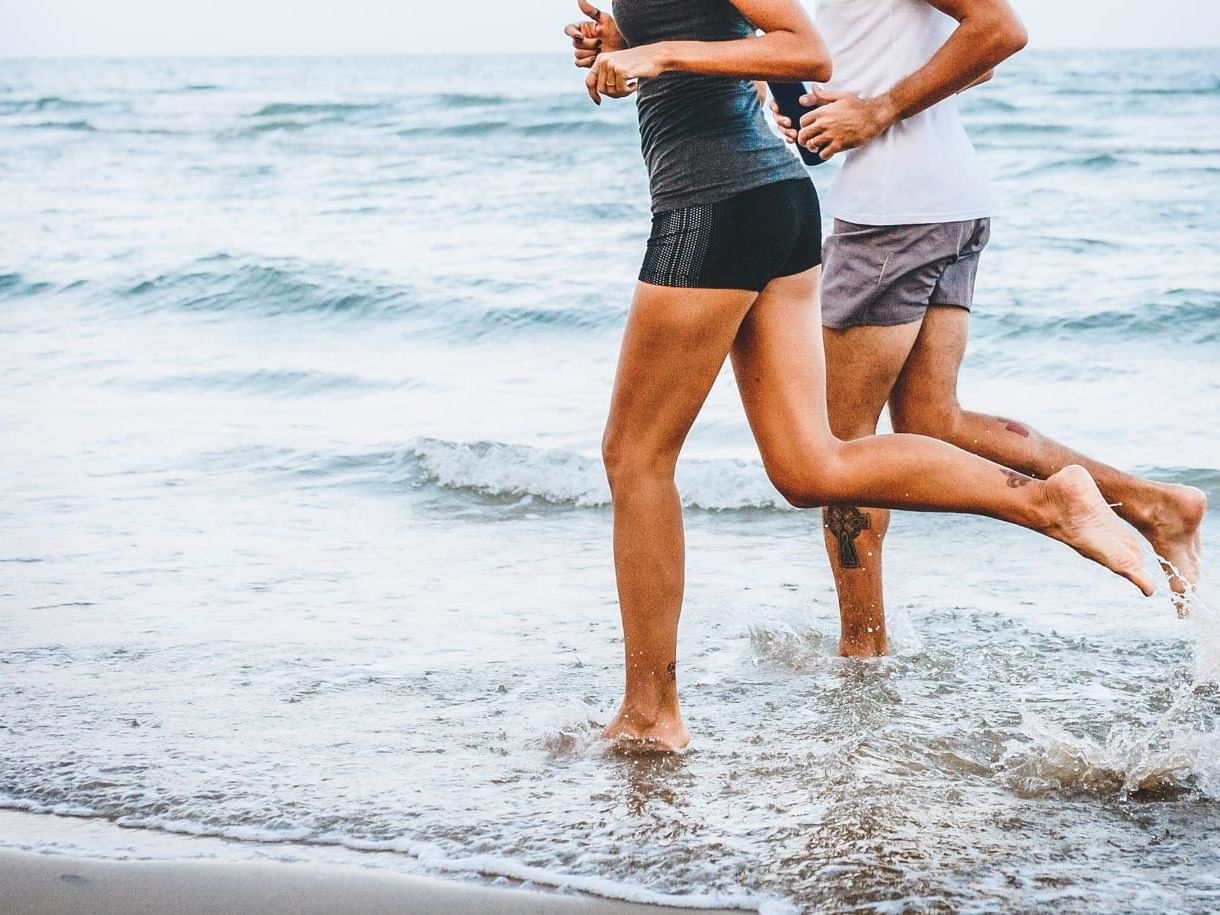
(1015, 427)
(847, 523)
(672, 670)
(1016, 480)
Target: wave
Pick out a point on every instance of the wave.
(46, 103)
(1176, 754)
(470, 100)
(431, 857)
(1167, 759)
(563, 478)
(1127, 91)
(1100, 162)
(497, 473)
(1017, 127)
(284, 383)
(799, 649)
(281, 109)
(14, 286)
(469, 312)
(972, 104)
(522, 475)
(81, 126)
(589, 126)
(1187, 316)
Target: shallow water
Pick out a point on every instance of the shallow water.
(304, 537)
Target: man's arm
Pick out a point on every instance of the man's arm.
(987, 34)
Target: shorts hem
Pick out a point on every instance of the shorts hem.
(799, 270)
(848, 324)
(704, 284)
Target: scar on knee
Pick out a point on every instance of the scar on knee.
(1013, 426)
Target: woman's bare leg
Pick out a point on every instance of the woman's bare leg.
(674, 345)
(780, 369)
(924, 400)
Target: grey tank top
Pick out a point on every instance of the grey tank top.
(704, 138)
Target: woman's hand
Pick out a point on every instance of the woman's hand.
(591, 38)
(783, 122)
(617, 73)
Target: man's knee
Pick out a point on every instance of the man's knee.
(934, 417)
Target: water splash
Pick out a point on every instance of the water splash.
(1177, 753)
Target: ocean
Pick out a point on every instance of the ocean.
(304, 539)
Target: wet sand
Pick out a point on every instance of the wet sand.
(33, 883)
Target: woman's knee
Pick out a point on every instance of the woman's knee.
(627, 459)
(810, 479)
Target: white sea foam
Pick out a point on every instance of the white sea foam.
(566, 478)
(435, 860)
(1172, 754)
(1204, 620)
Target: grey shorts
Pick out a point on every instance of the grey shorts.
(886, 275)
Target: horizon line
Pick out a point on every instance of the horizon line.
(314, 55)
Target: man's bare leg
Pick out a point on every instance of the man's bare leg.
(862, 366)
(924, 400)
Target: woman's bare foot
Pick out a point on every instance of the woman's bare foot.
(1171, 522)
(1082, 519)
(653, 731)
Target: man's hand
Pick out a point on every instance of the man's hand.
(843, 121)
(617, 73)
(591, 38)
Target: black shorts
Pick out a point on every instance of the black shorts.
(743, 242)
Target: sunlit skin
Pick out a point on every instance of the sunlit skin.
(674, 345)
(915, 367)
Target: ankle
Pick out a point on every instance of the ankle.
(1043, 512)
(651, 697)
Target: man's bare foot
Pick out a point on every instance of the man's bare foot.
(1082, 519)
(658, 731)
(1171, 522)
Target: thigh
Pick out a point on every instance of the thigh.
(862, 366)
(674, 345)
(882, 276)
(928, 381)
(779, 364)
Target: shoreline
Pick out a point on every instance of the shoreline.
(48, 876)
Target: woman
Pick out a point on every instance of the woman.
(732, 269)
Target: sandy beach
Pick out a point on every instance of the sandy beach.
(55, 864)
(32, 883)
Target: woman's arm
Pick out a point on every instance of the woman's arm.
(789, 49)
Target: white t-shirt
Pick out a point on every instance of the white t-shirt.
(923, 169)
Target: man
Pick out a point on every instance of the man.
(912, 215)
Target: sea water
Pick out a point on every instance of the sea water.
(304, 536)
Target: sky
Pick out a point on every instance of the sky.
(40, 28)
